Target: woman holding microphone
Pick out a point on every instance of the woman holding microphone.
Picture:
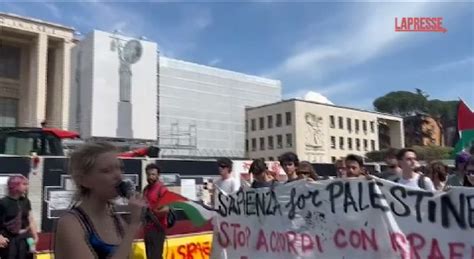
(91, 229)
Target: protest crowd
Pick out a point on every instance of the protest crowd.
(97, 172)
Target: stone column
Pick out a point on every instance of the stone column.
(66, 82)
(57, 111)
(36, 97)
(23, 102)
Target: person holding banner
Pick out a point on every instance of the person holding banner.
(457, 179)
(261, 175)
(340, 168)
(469, 176)
(289, 162)
(407, 159)
(92, 229)
(355, 167)
(438, 172)
(306, 171)
(18, 232)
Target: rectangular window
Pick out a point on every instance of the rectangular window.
(349, 143)
(372, 126)
(341, 142)
(349, 124)
(270, 121)
(278, 122)
(372, 143)
(270, 158)
(261, 121)
(357, 126)
(288, 118)
(8, 112)
(366, 146)
(289, 140)
(262, 143)
(364, 126)
(254, 144)
(358, 144)
(246, 126)
(10, 58)
(333, 159)
(279, 141)
(253, 125)
(270, 142)
(246, 145)
(341, 123)
(332, 122)
(333, 142)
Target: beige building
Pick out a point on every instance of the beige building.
(34, 72)
(319, 133)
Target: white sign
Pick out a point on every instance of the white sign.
(344, 219)
(188, 188)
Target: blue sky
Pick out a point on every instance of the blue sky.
(349, 52)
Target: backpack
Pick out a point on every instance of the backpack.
(421, 182)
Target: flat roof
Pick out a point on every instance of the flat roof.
(187, 65)
(29, 19)
(325, 104)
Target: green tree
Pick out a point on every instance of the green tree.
(402, 103)
(405, 103)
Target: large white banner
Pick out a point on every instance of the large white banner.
(344, 219)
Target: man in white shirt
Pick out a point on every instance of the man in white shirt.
(226, 182)
(407, 160)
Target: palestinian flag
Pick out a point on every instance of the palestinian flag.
(465, 119)
(198, 213)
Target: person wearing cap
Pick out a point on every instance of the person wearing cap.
(457, 179)
(226, 182)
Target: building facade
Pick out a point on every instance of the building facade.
(201, 109)
(423, 130)
(316, 132)
(34, 72)
(114, 87)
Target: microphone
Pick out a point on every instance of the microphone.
(126, 189)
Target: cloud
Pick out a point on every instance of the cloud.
(215, 62)
(331, 90)
(468, 61)
(53, 9)
(369, 34)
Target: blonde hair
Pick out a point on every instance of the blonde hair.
(83, 160)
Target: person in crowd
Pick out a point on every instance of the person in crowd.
(226, 182)
(469, 173)
(438, 173)
(92, 229)
(457, 179)
(393, 172)
(407, 160)
(306, 171)
(17, 224)
(340, 168)
(355, 166)
(289, 162)
(155, 232)
(261, 175)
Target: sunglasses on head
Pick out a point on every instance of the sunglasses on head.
(222, 166)
(470, 172)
